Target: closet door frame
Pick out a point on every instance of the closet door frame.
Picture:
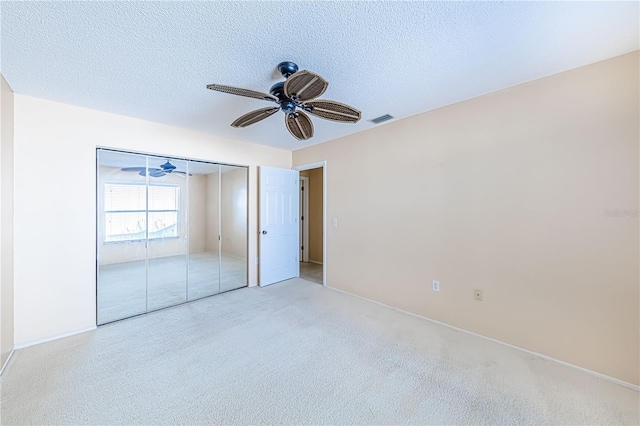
(100, 148)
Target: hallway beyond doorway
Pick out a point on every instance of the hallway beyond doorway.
(311, 272)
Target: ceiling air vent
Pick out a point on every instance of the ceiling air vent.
(380, 119)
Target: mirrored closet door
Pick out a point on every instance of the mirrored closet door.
(233, 244)
(167, 233)
(121, 237)
(204, 251)
(169, 230)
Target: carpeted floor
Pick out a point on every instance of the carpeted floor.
(296, 353)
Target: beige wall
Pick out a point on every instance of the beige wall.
(232, 217)
(123, 252)
(213, 217)
(506, 192)
(234, 212)
(316, 203)
(197, 212)
(6, 220)
(55, 266)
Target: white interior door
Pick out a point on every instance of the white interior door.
(279, 228)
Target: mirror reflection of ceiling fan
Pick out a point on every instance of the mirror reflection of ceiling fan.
(165, 169)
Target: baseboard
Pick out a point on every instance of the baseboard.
(50, 339)
(234, 256)
(168, 255)
(315, 261)
(539, 355)
(7, 361)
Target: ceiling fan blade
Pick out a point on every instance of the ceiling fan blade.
(254, 116)
(155, 174)
(242, 92)
(181, 173)
(332, 110)
(305, 85)
(142, 171)
(299, 125)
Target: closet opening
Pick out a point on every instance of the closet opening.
(169, 231)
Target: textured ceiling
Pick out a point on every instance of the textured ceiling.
(152, 60)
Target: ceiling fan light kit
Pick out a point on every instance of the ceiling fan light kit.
(295, 98)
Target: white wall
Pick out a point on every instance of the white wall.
(6, 221)
(55, 211)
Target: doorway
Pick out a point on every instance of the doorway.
(279, 228)
(312, 220)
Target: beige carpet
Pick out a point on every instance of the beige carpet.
(296, 353)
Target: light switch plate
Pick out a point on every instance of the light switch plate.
(334, 222)
(436, 285)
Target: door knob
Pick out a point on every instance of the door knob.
(264, 232)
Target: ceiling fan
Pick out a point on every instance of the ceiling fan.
(165, 169)
(295, 97)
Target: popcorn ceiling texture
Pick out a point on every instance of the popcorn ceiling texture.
(152, 60)
(296, 353)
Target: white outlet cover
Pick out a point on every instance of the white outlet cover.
(436, 285)
(334, 222)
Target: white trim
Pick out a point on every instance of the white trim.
(325, 189)
(539, 355)
(7, 361)
(50, 339)
(304, 224)
(310, 166)
(316, 165)
(314, 261)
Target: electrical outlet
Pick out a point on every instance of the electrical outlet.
(256, 260)
(477, 294)
(334, 222)
(436, 285)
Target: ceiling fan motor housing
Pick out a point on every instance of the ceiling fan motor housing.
(168, 167)
(277, 90)
(287, 104)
